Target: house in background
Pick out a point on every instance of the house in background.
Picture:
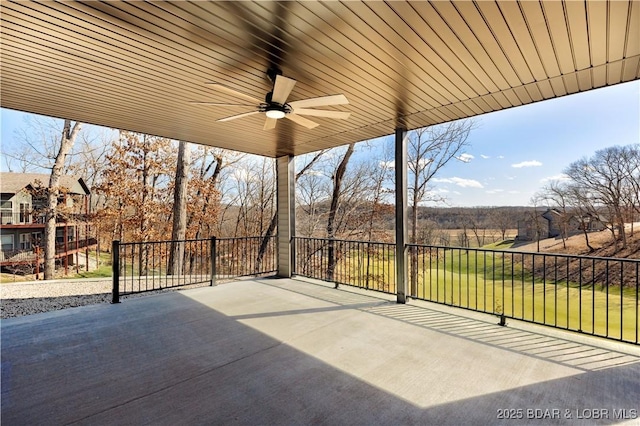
(22, 221)
(550, 224)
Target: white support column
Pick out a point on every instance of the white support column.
(401, 214)
(285, 167)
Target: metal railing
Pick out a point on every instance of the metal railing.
(364, 264)
(30, 255)
(140, 267)
(34, 217)
(592, 295)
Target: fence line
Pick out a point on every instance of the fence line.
(592, 295)
(140, 267)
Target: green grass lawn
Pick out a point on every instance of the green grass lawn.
(496, 283)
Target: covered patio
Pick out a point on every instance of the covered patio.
(284, 351)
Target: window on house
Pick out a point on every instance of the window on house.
(25, 213)
(7, 242)
(36, 239)
(6, 211)
(25, 241)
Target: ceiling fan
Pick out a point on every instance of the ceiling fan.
(275, 105)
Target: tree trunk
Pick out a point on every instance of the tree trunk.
(179, 229)
(335, 199)
(67, 139)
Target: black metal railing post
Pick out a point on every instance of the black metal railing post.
(115, 265)
(213, 261)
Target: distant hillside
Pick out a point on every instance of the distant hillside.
(601, 241)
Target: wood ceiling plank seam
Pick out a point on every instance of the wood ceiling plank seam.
(557, 84)
(576, 15)
(101, 101)
(597, 22)
(479, 27)
(150, 58)
(599, 76)
(103, 74)
(545, 89)
(571, 83)
(584, 79)
(616, 34)
(409, 38)
(475, 105)
(450, 51)
(484, 103)
(502, 100)
(501, 32)
(69, 88)
(512, 97)
(374, 84)
(631, 68)
(555, 16)
(93, 52)
(522, 34)
(534, 91)
(363, 39)
(406, 91)
(186, 59)
(426, 57)
(318, 75)
(614, 74)
(471, 45)
(632, 44)
(523, 94)
(540, 34)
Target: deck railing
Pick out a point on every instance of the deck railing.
(140, 267)
(30, 255)
(592, 295)
(364, 264)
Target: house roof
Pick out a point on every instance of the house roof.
(138, 65)
(12, 183)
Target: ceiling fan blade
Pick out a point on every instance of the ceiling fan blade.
(233, 117)
(220, 104)
(321, 101)
(281, 89)
(229, 91)
(270, 123)
(343, 115)
(301, 121)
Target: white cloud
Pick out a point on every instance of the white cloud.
(500, 157)
(387, 164)
(530, 163)
(514, 192)
(495, 191)
(485, 156)
(464, 183)
(465, 158)
(559, 177)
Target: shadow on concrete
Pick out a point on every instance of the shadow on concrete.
(170, 359)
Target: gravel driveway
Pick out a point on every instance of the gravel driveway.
(27, 298)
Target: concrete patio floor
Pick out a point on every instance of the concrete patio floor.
(282, 351)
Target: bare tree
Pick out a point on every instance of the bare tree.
(429, 149)
(605, 176)
(68, 137)
(179, 214)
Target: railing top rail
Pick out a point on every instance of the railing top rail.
(245, 238)
(344, 241)
(531, 253)
(132, 243)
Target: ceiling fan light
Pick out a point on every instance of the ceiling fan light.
(275, 113)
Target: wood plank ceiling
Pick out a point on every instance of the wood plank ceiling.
(137, 65)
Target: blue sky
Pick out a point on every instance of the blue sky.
(515, 151)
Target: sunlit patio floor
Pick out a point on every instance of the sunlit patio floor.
(293, 352)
